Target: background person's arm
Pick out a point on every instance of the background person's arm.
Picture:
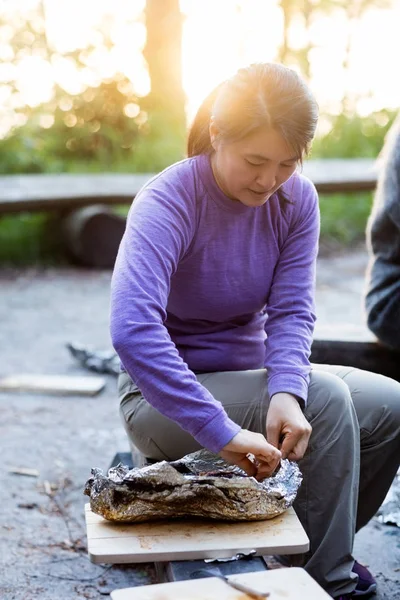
(382, 299)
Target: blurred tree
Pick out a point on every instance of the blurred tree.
(305, 13)
(163, 53)
(101, 124)
(348, 134)
(75, 131)
(165, 104)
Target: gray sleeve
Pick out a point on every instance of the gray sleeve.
(382, 299)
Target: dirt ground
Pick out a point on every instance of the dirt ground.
(42, 541)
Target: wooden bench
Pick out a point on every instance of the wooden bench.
(354, 347)
(68, 191)
(370, 356)
(92, 231)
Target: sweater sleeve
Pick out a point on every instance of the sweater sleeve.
(160, 227)
(291, 303)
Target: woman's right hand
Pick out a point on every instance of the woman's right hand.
(267, 457)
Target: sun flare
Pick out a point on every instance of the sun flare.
(218, 38)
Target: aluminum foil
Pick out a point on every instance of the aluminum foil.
(199, 485)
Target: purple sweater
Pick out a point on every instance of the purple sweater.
(204, 283)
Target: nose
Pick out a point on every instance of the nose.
(266, 178)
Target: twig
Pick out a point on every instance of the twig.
(76, 579)
(24, 471)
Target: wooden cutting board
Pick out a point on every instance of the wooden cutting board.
(188, 540)
(282, 584)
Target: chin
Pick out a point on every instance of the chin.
(255, 201)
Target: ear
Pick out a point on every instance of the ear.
(214, 133)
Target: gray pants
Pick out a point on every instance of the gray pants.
(351, 460)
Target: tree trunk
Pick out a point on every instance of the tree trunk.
(287, 13)
(163, 55)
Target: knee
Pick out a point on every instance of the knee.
(328, 395)
(330, 410)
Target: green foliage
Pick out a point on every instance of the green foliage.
(105, 127)
(91, 127)
(92, 135)
(343, 218)
(352, 136)
(28, 239)
(160, 144)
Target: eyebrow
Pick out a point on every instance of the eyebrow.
(261, 157)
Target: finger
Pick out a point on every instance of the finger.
(268, 454)
(273, 433)
(299, 450)
(247, 465)
(270, 461)
(289, 442)
(266, 469)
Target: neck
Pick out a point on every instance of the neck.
(217, 178)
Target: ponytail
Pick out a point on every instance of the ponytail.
(199, 141)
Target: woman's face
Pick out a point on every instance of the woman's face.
(252, 169)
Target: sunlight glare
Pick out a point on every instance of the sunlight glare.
(34, 80)
(220, 37)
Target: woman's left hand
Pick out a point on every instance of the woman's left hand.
(287, 428)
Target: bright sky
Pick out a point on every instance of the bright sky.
(219, 36)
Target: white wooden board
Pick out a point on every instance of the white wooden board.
(282, 584)
(188, 540)
(64, 385)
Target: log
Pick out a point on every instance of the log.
(92, 236)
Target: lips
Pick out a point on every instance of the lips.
(260, 193)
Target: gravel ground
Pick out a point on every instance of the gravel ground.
(42, 541)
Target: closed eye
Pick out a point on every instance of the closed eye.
(254, 164)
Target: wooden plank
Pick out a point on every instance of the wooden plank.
(331, 175)
(68, 191)
(348, 332)
(282, 584)
(186, 540)
(64, 385)
(24, 471)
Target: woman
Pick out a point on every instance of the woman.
(213, 313)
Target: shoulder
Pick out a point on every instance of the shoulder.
(300, 189)
(177, 178)
(302, 198)
(167, 200)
